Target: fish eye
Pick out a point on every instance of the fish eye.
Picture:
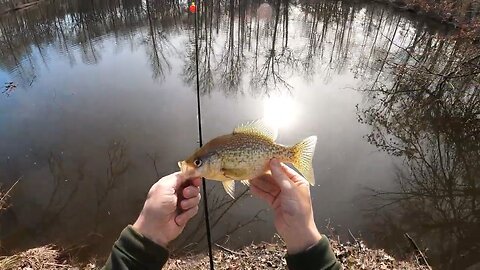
(197, 162)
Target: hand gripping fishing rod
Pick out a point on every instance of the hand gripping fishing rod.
(193, 9)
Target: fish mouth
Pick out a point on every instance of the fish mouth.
(183, 166)
(188, 170)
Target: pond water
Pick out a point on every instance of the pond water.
(100, 101)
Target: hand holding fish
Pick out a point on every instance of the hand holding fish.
(288, 193)
(170, 204)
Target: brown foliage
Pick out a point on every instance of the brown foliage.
(462, 13)
(46, 257)
(271, 256)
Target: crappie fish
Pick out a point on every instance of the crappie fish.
(245, 154)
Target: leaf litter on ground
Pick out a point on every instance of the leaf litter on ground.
(254, 256)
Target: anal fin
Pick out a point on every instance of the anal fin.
(229, 187)
(246, 182)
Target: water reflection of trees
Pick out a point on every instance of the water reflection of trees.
(250, 44)
(429, 115)
(250, 52)
(239, 51)
(159, 40)
(78, 28)
(277, 61)
(69, 189)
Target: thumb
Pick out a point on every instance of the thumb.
(279, 175)
(179, 179)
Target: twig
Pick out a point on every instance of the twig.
(154, 160)
(10, 189)
(246, 223)
(232, 203)
(56, 264)
(418, 251)
(33, 79)
(353, 237)
(229, 250)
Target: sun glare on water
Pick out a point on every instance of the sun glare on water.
(280, 111)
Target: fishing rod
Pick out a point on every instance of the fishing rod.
(193, 9)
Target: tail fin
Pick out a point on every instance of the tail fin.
(303, 156)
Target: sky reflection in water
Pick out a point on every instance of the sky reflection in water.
(280, 111)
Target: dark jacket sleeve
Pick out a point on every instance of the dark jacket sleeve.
(317, 257)
(134, 251)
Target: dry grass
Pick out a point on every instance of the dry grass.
(48, 257)
(261, 256)
(45, 257)
(358, 256)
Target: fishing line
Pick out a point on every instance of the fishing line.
(194, 10)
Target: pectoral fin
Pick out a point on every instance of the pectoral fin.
(235, 174)
(229, 187)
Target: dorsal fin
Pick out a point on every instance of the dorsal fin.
(259, 128)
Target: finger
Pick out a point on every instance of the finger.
(184, 217)
(292, 174)
(196, 181)
(190, 192)
(282, 180)
(192, 202)
(262, 194)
